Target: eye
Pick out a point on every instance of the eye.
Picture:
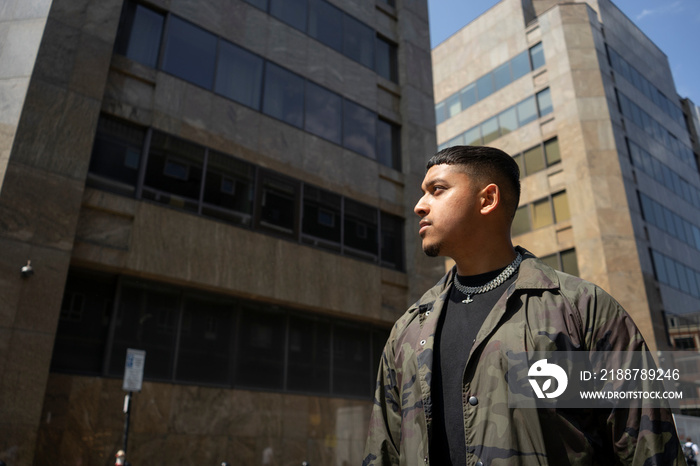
(437, 189)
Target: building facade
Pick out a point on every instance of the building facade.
(227, 185)
(586, 103)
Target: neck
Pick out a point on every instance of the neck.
(485, 260)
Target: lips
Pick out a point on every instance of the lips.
(422, 226)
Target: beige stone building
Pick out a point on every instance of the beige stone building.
(587, 105)
(227, 185)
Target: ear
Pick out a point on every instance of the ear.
(490, 198)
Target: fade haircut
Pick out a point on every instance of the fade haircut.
(485, 165)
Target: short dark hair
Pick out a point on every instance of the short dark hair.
(485, 165)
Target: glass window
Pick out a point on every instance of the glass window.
(551, 260)
(239, 75)
(541, 214)
(489, 129)
(323, 112)
(284, 95)
(692, 284)
(519, 160)
(501, 76)
(278, 203)
(358, 41)
(551, 150)
(670, 224)
(544, 102)
(228, 189)
(388, 139)
(453, 104)
(262, 4)
(527, 111)
(467, 96)
(261, 343)
(534, 160)
(520, 65)
(292, 12)
(456, 141)
(387, 66)
(351, 361)
(484, 86)
(392, 241)
(359, 129)
(83, 323)
(659, 267)
(472, 137)
(360, 229)
(190, 52)
(321, 218)
(147, 320)
(145, 35)
(205, 344)
(682, 278)
(521, 221)
(569, 262)
(309, 355)
(671, 272)
(537, 56)
(647, 209)
(440, 113)
(326, 24)
(174, 172)
(561, 207)
(508, 121)
(116, 156)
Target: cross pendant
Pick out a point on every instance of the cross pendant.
(468, 300)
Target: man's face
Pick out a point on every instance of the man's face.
(449, 210)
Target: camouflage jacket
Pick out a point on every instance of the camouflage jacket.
(542, 310)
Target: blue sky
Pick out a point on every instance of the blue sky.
(674, 25)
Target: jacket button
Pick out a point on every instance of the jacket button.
(479, 463)
(425, 460)
(474, 401)
(422, 342)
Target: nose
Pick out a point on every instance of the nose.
(421, 209)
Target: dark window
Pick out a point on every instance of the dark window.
(534, 160)
(204, 352)
(388, 142)
(83, 324)
(239, 75)
(323, 112)
(501, 76)
(484, 86)
(359, 129)
(147, 320)
(284, 95)
(387, 66)
(351, 361)
(144, 36)
(278, 203)
(552, 153)
(326, 24)
(440, 113)
(360, 229)
(261, 342)
(174, 172)
(537, 56)
(116, 156)
(262, 4)
(292, 12)
(544, 102)
(190, 52)
(309, 359)
(685, 343)
(358, 41)
(521, 221)
(520, 65)
(569, 264)
(392, 241)
(468, 96)
(322, 221)
(228, 190)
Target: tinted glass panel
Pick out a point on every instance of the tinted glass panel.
(144, 41)
(520, 65)
(561, 206)
(284, 95)
(358, 41)
(278, 204)
(205, 345)
(544, 102)
(454, 106)
(388, 138)
(508, 121)
(392, 241)
(309, 352)
(519, 160)
(228, 190)
(261, 342)
(521, 221)
(537, 56)
(359, 129)
(468, 96)
(174, 172)
(239, 75)
(190, 52)
(262, 4)
(292, 12)
(484, 86)
(386, 60)
(527, 111)
(569, 262)
(551, 150)
(351, 361)
(489, 130)
(440, 113)
(472, 137)
(534, 160)
(501, 76)
(551, 260)
(541, 214)
(361, 229)
(326, 24)
(659, 267)
(323, 112)
(322, 221)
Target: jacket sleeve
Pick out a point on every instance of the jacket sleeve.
(645, 432)
(384, 436)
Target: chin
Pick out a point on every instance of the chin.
(431, 250)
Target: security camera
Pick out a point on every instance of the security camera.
(28, 270)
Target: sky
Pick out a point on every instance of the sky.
(673, 25)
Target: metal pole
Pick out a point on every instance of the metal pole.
(127, 412)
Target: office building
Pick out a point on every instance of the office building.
(586, 104)
(227, 185)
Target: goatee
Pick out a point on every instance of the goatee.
(432, 250)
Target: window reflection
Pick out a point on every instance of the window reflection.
(190, 52)
(284, 95)
(239, 75)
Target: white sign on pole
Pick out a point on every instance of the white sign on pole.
(133, 370)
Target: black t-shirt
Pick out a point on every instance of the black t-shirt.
(457, 328)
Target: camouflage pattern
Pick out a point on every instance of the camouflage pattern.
(543, 310)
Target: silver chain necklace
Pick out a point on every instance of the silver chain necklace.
(495, 283)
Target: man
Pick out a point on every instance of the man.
(691, 452)
(442, 396)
